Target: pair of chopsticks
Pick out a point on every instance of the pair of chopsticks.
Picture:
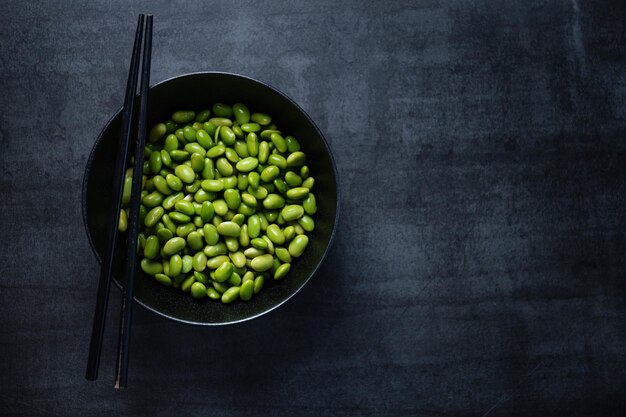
(130, 121)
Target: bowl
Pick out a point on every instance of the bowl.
(198, 91)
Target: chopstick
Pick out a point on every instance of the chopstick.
(104, 284)
(130, 265)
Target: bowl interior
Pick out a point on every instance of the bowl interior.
(197, 92)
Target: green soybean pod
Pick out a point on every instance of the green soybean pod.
(277, 160)
(183, 116)
(227, 135)
(176, 265)
(309, 204)
(258, 283)
(198, 290)
(122, 223)
(264, 152)
(187, 283)
(292, 144)
(213, 294)
(189, 133)
(279, 142)
(241, 113)
(292, 212)
(157, 132)
(298, 245)
(154, 216)
(281, 271)
(151, 267)
(224, 167)
(155, 162)
(261, 118)
(253, 180)
(246, 290)
(152, 248)
(222, 110)
(230, 295)
(174, 182)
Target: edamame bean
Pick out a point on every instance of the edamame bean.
(258, 283)
(157, 132)
(297, 193)
(241, 112)
(163, 279)
(174, 245)
(269, 173)
(298, 245)
(151, 267)
(281, 271)
(229, 229)
(185, 207)
(213, 294)
(292, 144)
(233, 198)
(222, 110)
(279, 142)
(122, 223)
(273, 201)
(155, 162)
(296, 159)
(230, 295)
(216, 261)
(292, 212)
(247, 164)
(173, 182)
(277, 160)
(275, 234)
(198, 290)
(154, 216)
(264, 152)
(223, 272)
(262, 263)
(199, 261)
(183, 116)
(261, 118)
(185, 173)
(152, 248)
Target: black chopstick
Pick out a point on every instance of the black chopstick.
(130, 265)
(104, 284)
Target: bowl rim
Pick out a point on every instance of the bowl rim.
(272, 307)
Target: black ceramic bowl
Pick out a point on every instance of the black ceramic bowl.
(198, 91)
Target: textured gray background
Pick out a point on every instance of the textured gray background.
(479, 264)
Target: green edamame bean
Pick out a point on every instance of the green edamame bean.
(244, 238)
(199, 261)
(264, 222)
(154, 216)
(184, 229)
(254, 226)
(231, 155)
(261, 118)
(232, 243)
(280, 185)
(242, 181)
(201, 277)
(264, 152)
(270, 244)
(170, 144)
(307, 223)
(203, 116)
(253, 180)
(253, 252)
(122, 223)
(183, 116)
(185, 173)
(229, 229)
(220, 206)
(189, 133)
(310, 204)
(269, 173)
(289, 232)
(277, 160)
(259, 243)
(185, 207)
(273, 201)
(233, 199)
(229, 182)
(187, 264)
(238, 219)
(179, 218)
(178, 155)
(296, 159)
(212, 185)
(169, 224)
(222, 110)
(258, 283)
(216, 261)
(224, 167)
(176, 265)
(282, 254)
(208, 172)
(217, 150)
(252, 144)
(204, 139)
(163, 279)
(153, 199)
(227, 135)
(169, 201)
(308, 183)
(241, 113)
(174, 245)
(304, 172)
(235, 279)
(262, 263)
(166, 160)
(292, 144)
(298, 193)
(126, 191)
(164, 235)
(151, 267)
(207, 211)
(247, 164)
(281, 271)
(292, 212)
(249, 199)
(279, 142)
(152, 248)
(230, 295)
(198, 290)
(197, 162)
(174, 182)
(292, 179)
(250, 127)
(157, 132)
(194, 147)
(238, 259)
(187, 283)
(213, 294)
(298, 245)
(194, 240)
(246, 290)
(223, 272)
(275, 234)
(214, 250)
(155, 162)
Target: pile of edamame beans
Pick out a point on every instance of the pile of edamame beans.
(226, 202)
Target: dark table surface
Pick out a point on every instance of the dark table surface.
(478, 267)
